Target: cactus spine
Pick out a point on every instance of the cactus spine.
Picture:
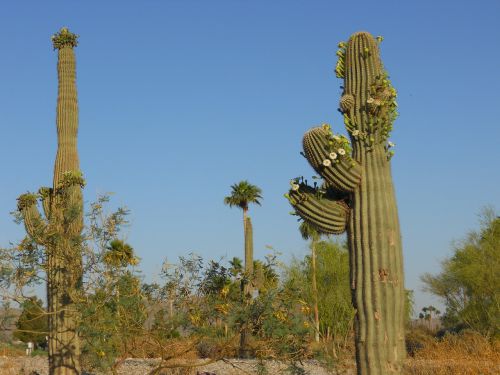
(60, 231)
(358, 197)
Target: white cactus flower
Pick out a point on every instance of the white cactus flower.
(341, 151)
(370, 100)
(336, 137)
(327, 162)
(355, 133)
(391, 144)
(295, 187)
(333, 155)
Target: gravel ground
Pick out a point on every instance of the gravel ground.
(39, 366)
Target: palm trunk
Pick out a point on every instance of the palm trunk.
(315, 291)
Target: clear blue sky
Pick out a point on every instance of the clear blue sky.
(181, 99)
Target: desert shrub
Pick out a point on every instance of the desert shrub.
(417, 339)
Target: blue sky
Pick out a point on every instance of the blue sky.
(181, 99)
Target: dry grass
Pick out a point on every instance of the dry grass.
(10, 351)
(467, 353)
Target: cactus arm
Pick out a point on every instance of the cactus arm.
(46, 197)
(33, 222)
(328, 215)
(322, 147)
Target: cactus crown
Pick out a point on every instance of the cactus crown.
(64, 38)
(26, 200)
(369, 100)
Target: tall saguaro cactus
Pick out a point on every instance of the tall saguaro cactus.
(357, 196)
(60, 231)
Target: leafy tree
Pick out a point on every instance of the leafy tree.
(469, 282)
(113, 318)
(32, 324)
(334, 295)
(429, 313)
(113, 311)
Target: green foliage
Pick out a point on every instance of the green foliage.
(26, 200)
(112, 317)
(242, 194)
(32, 324)
(207, 304)
(469, 282)
(429, 312)
(308, 231)
(119, 254)
(334, 295)
(64, 38)
(113, 304)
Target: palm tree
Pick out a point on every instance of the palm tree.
(309, 232)
(242, 194)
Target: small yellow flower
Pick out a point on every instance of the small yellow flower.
(224, 292)
(280, 315)
(222, 308)
(195, 318)
(305, 309)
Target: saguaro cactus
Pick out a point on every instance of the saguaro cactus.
(247, 285)
(357, 196)
(60, 231)
(248, 253)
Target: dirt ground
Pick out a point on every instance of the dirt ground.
(39, 366)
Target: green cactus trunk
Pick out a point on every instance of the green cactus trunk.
(249, 252)
(60, 232)
(245, 349)
(65, 264)
(376, 270)
(358, 196)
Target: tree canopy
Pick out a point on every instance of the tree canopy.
(242, 194)
(32, 324)
(469, 282)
